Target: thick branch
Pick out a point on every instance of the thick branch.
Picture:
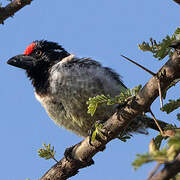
(80, 155)
(12, 8)
(177, 1)
(169, 171)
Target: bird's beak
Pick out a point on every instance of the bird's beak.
(22, 61)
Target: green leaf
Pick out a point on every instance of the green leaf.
(97, 131)
(137, 89)
(124, 96)
(177, 33)
(141, 159)
(168, 153)
(93, 137)
(160, 49)
(47, 152)
(94, 101)
(171, 106)
(125, 137)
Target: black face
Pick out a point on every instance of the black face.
(38, 57)
(39, 54)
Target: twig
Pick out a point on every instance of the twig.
(55, 159)
(154, 171)
(155, 120)
(177, 1)
(12, 8)
(170, 170)
(142, 67)
(160, 94)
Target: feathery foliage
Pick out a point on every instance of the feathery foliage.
(171, 148)
(160, 49)
(122, 98)
(166, 154)
(47, 152)
(124, 137)
(141, 159)
(98, 131)
(171, 106)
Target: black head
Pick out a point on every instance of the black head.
(37, 59)
(39, 54)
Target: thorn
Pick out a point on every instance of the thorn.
(147, 70)
(160, 94)
(155, 120)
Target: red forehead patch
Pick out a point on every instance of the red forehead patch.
(29, 49)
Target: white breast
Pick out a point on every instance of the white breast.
(46, 102)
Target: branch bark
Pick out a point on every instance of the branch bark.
(169, 171)
(12, 8)
(177, 1)
(80, 155)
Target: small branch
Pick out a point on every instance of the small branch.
(170, 170)
(154, 171)
(142, 67)
(177, 1)
(54, 158)
(12, 8)
(152, 73)
(160, 94)
(80, 155)
(155, 120)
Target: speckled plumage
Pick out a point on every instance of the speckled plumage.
(71, 83)
(63, 83)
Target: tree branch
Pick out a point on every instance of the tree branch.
(12, 8)
(153, 172)
(177, 1)
(169, 171)
(80, 155)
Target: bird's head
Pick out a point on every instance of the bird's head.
(37, 59)
(39, 55)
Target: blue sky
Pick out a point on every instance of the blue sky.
(102, 30)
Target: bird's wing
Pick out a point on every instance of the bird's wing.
(75, 80)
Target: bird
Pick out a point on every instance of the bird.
(63, 83)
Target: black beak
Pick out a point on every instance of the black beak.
(22, 61)
(175, 44)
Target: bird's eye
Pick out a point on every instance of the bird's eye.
(178, 52)
(38, 53)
